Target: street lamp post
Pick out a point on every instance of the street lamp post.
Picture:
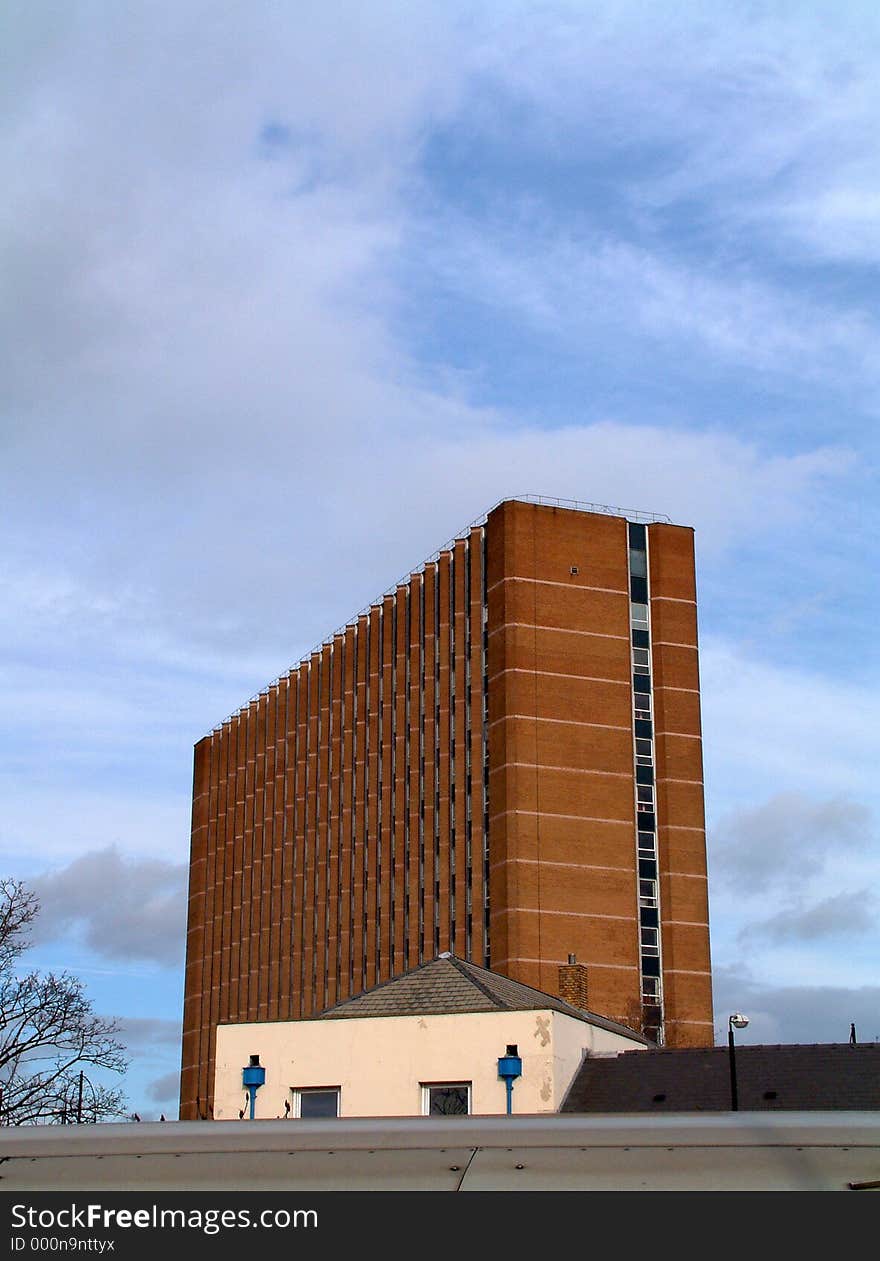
(736, 1021)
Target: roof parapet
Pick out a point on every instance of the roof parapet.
(546, 501)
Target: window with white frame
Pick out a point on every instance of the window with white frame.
(316, 1101)
(441, 1099)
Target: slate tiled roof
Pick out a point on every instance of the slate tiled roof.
(448, 985)
(697, 1079)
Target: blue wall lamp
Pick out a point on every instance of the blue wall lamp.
(509, 1068)
(253, 1075)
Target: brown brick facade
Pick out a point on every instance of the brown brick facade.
(455, 771)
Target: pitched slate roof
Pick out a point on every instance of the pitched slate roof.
(448, 985)
(799, 1077)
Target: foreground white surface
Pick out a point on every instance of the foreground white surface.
(679, 1151)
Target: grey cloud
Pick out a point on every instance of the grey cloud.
(843, 915)
(124, 908)
(786, 840)
(164, 1089)
(145, 1034)
(154, 1076)
(808, 1013)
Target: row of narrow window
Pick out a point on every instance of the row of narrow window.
(646, 816)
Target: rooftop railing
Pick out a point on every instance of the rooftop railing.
(546, 501)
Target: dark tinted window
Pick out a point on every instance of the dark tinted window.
(638, 590)
(648, 917)
(650, 965)
(647, 869)
(319, 1103)
(641, 682)
(644, 728)
(641, 639)
(644, 775)
(638, 536)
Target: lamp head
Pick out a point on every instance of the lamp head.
(738, 1020)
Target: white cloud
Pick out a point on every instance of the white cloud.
(298, 554)
(205, 388)
(791, 886)
(221, 437)
(776, 729)
(48, 815)
(760, 120)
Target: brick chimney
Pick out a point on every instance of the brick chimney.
(573, 983)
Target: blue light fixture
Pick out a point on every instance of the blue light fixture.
(509, 1068)
(253, 1076)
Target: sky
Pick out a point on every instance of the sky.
(291, 293)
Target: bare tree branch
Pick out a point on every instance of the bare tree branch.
(49, 1034)
(18, 909)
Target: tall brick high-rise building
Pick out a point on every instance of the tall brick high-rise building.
(500, 758)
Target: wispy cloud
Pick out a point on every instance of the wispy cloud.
(758, 127)
(590, 288)
(782, 728)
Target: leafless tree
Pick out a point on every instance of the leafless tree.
(49, 1034)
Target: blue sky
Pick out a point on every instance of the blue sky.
(292, 294)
